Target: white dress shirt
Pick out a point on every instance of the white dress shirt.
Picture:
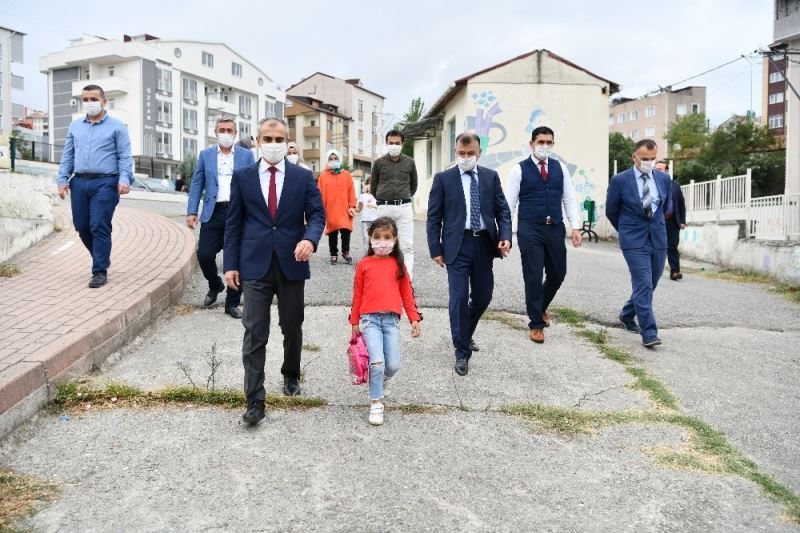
(567, 196)
(263, 178)
(465, 183)
(224, 174)
(655, 196)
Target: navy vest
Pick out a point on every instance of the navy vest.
(539, 198)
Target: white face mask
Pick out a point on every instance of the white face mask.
(542, 151)
(382, 247)
(467, 163)
(293, 158)
(647, 166)
(225, 140)
(394, 149)
(273, 152)
(335, 164)
(92, 108)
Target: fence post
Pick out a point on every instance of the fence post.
(748, 196)
(615, 167)
(13, 147)
(691, 200)
(718, 196)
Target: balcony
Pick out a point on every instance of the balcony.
(112, 85)
(310, 153)
(221, 106)
(311, 131)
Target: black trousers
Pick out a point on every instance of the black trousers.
(542, 248)
(673, 239)
(333, 242)
(212, 238)
(256, 318)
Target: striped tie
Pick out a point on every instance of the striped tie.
(646, 200)
(474, 202)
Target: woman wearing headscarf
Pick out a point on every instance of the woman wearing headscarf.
(293, 155)
(339, 199)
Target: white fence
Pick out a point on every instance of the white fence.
(768, 218)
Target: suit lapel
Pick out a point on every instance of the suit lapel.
(211, 163)
(286, 190)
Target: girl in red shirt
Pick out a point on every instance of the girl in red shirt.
(382, 289)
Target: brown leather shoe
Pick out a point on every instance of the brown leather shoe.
(546, 319)
(675, 276)
(537, 336)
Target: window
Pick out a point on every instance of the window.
(86, 72)
(110, 72)
(269, 108)
(620, 118)
(451, 134)
(650, 111)
(330, 125)
(245, 106)
(695, 109)
(208, 60)
(776, 98)
(244, 130)
(163, 142)
(775, 121)
(634, 115)
(681, 110)
(429, 156)
(610, 119)
(190, 90)
(650, 132)
(291, 122)
(236, 70)
(776, 77)
(164, 109)
(361, 105)
(635, 135)
(164, 81)
(189, 146)
(190, 119)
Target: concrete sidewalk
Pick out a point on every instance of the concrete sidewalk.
(53, 323)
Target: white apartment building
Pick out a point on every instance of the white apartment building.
(364, 141)
(169, 93)
(11, 51)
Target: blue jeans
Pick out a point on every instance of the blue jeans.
(382, 335)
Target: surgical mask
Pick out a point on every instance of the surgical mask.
(382, 247)
(647, 166)
(394, 149)
(542, 151)
(225, 140)
(335, 164)
(273, 152)
(92, 108)
(467, 163)
(293, 158)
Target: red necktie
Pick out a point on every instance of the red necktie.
(543, 170)
(272, 200)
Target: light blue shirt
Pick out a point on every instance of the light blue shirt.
(465, 182)
(655, 196)
(100, 148)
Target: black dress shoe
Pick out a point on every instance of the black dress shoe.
(98, 280)
(254, 414)
(291, 387)
(211, 295)
(473, 347)
(462, 367)
(234, 312)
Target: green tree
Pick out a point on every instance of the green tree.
(414, 113)
(186, 168)
(620, 148)
(690, 132)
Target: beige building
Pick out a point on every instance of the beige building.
(786, 32)
(317, 127)
(649, 117)
(503, 104)
(365, 107)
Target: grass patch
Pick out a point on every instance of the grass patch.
(616, 354)
(416, 409)
(562, 420)
(310, 347)
(658, 392)
(74, 396)
(183, 310)
(507, 319)
(20, 496)
(596, 337)
(8, 270)
(787, 290)
(570, 316)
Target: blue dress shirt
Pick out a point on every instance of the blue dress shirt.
(100, 148)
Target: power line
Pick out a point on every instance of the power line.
(660, 89)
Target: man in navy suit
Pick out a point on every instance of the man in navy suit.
(469, 224)
(212, 180)
(635, 206)
(275, 220)
(675, 214)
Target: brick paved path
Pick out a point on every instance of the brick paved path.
(50, 321)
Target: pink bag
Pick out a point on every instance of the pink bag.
(359, 360)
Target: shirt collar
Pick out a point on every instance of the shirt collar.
(219, 150)
(464, 172)
(536, 161)
(105, 116)
(263, 166)
(638, 173)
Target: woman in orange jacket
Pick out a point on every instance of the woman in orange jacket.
(339, 199)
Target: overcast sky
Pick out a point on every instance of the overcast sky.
(408, 48)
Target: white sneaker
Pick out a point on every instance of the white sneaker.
(376, 414)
